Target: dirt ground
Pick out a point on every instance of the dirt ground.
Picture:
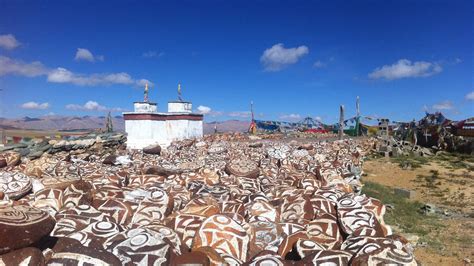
(450, 189)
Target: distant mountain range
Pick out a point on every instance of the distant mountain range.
(54, 122)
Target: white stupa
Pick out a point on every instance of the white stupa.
(146, 126)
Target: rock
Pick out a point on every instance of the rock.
(3, 162)
(152, 149)
(326, 257)
(123, 160)
(306, 146)
(26, 256)
(15, 185)
(21, 226)
(110, 160)
(242, 168)
(389, 252)
(192, 258)
(224, 235)
(71, 252)
(405, 193)
(23, 151)
(256, 145)
(13, 146)
(412, 238)
(12, 158)
(278, 151)
(140, 246)
(428, 209)
(34, 155)
(158, 170)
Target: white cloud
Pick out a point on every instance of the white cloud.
(445, 105)
(92, 106)
(241, 114)
(204, 109)
(404, 68)
(83, 54)
(9, 42)
(278, 57)
(35, 106)
(319, 64)
(143, 82)
(9, 66)
(291, 117)
(16, 67)
(470, 96)
(151, 54)
(62, 75)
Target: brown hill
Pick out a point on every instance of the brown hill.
(55, 122)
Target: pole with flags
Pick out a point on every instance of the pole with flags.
(341, 122)
(357, 116)
(253, 125)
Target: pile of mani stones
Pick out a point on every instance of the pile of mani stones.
(213, 201)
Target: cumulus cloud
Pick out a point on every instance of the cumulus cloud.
(92, 106)
(83, 54)
(151, 54)
(9, 42)
(445, 105)
(404, 68)
(35, 106)
(204, 109)
(10, 66)
(291, 117)
(470, 96)
(62, 75)
(278, 57)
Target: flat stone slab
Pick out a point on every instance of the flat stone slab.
(406, 193)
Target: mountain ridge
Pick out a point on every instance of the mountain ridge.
(57, 122)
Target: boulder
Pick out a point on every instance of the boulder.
(12, 158)
(26, 256)
(21, 226)
(152, 149)
(14, 185)
(242, 168)
(110, 160)
(71, 252)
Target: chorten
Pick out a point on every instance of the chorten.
(146, 126)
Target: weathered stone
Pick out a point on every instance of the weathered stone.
(140, 246)
(224, 235)
(15, 185)
(21, 226)
(153, 149)
(242, 168)
(405, 193)
(110, 160)
(71, 252)
(26, 256)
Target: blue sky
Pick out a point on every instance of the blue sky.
(292, 58)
